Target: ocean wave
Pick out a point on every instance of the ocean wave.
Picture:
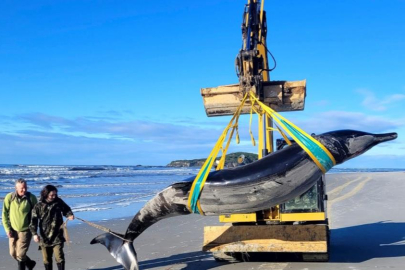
(115, 189)
(40, 166)
(111, 184)
(48, 178)
(87, 169)
(102, 194)
(91, 209)
(65, 173)
(124, 204)
(113, 202)
(138, 198)
(43, 174)
(85, 186)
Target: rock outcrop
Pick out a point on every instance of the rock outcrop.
(230, 161)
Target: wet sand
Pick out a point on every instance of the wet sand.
(366, 212)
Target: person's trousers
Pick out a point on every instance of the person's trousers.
(19, 245)
(48, 252)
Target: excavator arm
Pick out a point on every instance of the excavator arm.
(251, 62)
(253, 71)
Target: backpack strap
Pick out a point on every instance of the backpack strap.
(27, 195)
(13, 196)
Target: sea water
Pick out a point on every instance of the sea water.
(95, 192)
(103, 192)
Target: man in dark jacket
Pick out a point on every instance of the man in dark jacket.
(48, 212)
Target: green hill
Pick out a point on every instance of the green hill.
(230, 161)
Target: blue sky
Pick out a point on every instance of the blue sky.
(118, 82)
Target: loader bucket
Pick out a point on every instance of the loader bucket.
(281, 96)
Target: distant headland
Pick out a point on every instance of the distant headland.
(230, 161)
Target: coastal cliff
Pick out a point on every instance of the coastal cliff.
(230, 161)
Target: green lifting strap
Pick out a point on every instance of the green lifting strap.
(314, 148)
(317, 152)
(198, 183)
(194, 196)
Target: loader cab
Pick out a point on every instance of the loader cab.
(312, 201)
(298, 228)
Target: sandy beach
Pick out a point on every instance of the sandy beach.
(366, 212)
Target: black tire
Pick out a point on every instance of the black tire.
(230, 257)
(315, 257)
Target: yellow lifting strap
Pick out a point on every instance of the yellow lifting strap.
(282, 134)
(318, 153)
(199, 181)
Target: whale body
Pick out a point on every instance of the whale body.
(272, 180)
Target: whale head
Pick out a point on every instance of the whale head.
(347, 144)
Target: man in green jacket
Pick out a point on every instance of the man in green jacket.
(16, 216)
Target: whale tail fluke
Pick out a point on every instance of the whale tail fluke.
(122, 251)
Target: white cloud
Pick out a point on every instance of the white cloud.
(379, 104)
(116, 129)
(335, 120)
(46, 139)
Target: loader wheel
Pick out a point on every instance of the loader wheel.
(315, 257)
(230, 257)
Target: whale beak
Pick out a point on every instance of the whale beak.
(385, 137)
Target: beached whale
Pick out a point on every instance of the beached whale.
(274, 179)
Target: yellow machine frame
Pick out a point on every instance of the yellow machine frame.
(265, 139)
(310, 239)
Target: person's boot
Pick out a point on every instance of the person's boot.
(48, 266)
(30, 264)
(61, 266)
(21, 265)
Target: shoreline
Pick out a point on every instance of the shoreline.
(366, 213)
(177, 235)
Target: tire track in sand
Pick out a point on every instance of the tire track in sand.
(353, 192)
(341, 187)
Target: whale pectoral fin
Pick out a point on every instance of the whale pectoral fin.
(123, 251)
